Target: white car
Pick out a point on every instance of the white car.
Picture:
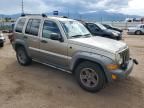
(138, 30)
(2, 40)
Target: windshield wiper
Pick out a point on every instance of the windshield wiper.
(87, 35)
(76, 36)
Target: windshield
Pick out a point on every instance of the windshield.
(75, 29)
(101, 26)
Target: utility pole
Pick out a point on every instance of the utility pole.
(22, 7)
(68, 14)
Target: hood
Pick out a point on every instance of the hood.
(109, 31)
(113, 31)
(101, 43)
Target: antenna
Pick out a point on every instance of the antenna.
(22, 7)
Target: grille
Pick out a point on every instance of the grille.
(125, 55)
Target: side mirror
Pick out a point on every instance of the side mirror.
(55, 36)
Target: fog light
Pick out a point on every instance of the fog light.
(112, 66)
(114, 77)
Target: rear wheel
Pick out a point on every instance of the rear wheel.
(138, 32)
(90, 76)
(22, 56)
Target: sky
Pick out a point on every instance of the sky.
(131, 7)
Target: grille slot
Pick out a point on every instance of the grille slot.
(125, 56)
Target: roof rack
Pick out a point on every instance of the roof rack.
(43, 15)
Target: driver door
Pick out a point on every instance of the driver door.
(54, 52)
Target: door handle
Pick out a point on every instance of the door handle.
(44, 41)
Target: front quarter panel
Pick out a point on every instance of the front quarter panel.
(100, 59)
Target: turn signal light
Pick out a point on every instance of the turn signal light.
(112, 67)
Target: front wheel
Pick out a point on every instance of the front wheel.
(22, 56)
(90, 76)
(138, 32)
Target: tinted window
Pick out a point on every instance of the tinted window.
(28, 26)
(93, 28)
(50, 27)
(20, 24)
(33, 27)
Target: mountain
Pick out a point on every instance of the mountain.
(93, 16)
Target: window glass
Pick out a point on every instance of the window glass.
(28, 27)
(93, 28)
(50, 27)
(20, 25)
(33, 27)
(74, 29)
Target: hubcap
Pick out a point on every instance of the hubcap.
(138, 32)
(89, 77)
(21, 56)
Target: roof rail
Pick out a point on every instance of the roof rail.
(43, 15)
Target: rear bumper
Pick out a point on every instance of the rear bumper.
(122, 73)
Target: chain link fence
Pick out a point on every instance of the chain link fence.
(6, 26)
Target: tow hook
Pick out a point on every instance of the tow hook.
(135, 61)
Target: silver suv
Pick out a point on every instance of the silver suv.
(67, 45)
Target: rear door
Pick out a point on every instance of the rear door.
(31, 34)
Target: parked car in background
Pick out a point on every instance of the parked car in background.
(67, 45)
(112, 28)
(98, 29)
(138, 30)
(2, 40)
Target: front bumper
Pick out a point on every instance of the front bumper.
(122, 73)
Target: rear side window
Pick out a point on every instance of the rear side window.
(20, 25)
(33, 27)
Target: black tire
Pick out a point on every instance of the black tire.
(138, 32)
(99, 77)
(22, 56)
(2, 44)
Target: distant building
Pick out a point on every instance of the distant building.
(133, 20)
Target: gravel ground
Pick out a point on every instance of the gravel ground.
(39, 86)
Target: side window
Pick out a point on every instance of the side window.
(20, 25)
(28, 26)
(93, 28)
(141, 26)
(33, 27)
(49, 27)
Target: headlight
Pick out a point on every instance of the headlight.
(115, 34)
(119, 59)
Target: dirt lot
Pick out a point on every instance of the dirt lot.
(39, 86)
